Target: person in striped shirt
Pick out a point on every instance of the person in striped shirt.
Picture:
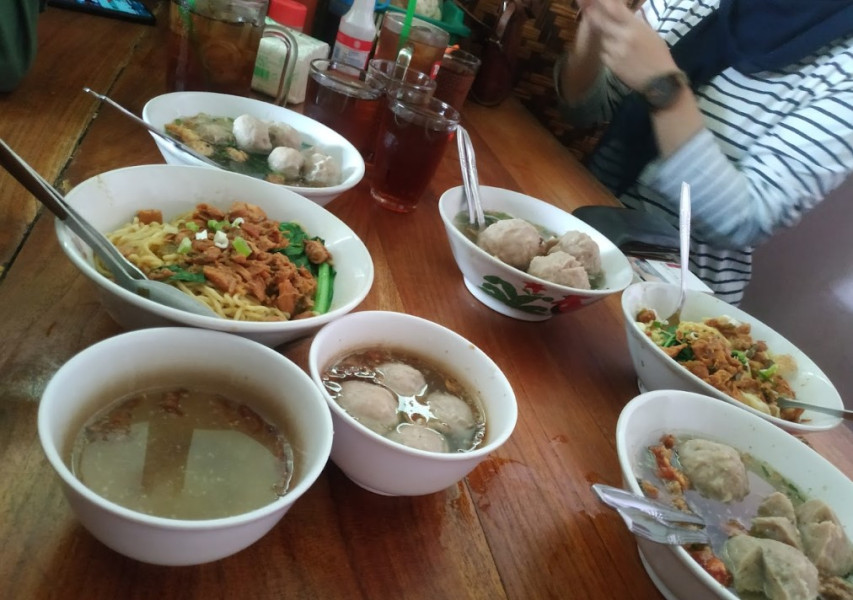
(749, 101)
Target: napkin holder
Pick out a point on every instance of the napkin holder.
(635, 232)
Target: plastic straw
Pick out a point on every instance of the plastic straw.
(407, 25)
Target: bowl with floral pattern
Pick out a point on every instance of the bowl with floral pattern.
(512, 291)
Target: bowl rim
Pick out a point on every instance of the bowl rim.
(450, 457)
(453, 231)
(762, 427)
(291, 116)
(66, 241)
(708, 389)
(164, 523)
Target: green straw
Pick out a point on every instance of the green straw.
(407, 25)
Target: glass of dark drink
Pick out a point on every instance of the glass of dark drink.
(393, 75)
(345, 99)
(423, 47)
(458, 69)
(413, 134)
(213, 45)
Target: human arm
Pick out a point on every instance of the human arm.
(18, 39)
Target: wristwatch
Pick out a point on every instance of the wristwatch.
(661, 92)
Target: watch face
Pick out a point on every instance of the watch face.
(662, 91)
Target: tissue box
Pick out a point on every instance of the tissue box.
(270, 63)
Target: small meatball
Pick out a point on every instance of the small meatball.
(321, 170)
(777, 504)
(560, 268)
(371, 405)
(282, 134)
(286, 161)
(824, 540)
(715, 470)
(772, 568)
(583, 248)
(402, 378)
(419, 437)
(776, 528)
(451, 414)
(513, 241)
(252, 135)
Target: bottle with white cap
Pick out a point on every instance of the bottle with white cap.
(356, 34)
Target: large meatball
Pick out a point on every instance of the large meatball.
(513, 241)
(451, 414)
(420, 437)
(560, 268)
(715, 470)
(402, 378)
(583, 248)
(371, 405)
(252, 135)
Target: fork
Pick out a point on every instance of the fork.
(470, 179)
(644, 526)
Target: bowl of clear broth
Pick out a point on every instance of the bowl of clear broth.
(778, 513)
(532, 261)
(259, 139)
(415, 406)
(190, 446)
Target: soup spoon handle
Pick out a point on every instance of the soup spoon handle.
(181, 147)
(835, 412)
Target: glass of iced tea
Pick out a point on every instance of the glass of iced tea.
(458, 69)
(424, 46)
(345, 99)
(393, 75)
(412, 139)
(213, 45)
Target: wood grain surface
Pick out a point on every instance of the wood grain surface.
(523, 525)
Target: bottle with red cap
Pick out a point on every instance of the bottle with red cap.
(356, 34)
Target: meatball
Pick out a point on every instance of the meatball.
(321, 169)
(402, 378)
(419, 437)
(451, 414)
(715, 470)
(371, 405)
(282, 134)
(560, 268)
(513, 241)
(287, 161)
(771, 568)
(252, 135)
(583, 248)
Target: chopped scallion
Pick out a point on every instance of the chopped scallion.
(241, 246)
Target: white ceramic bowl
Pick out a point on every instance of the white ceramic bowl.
(161, 110)
(385, 467)
(112, 199)
(649, 415)
(658, 371)
(129, 363)
(513, 292)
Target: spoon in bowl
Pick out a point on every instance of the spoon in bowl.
(126, 274)
(470, 180)
(684, 251)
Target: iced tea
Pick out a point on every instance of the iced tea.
(426, 43)
(412, 140)
(212, 47)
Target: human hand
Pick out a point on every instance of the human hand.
(632, 50)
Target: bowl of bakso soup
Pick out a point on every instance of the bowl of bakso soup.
(718, 350)
(415, 406)
(259, 139)
(778, 514)
(270, 264)
(533, 260)
(188, 446)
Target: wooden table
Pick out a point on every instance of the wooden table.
(523, 525)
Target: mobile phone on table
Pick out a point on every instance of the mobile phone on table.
(128, 10)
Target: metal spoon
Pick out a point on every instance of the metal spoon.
(470, 180)
(172, 142)
(126, 274)
(835, 412)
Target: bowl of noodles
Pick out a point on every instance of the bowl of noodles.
(718, 350)
(534, 260)
(259, 139)
(273, 265)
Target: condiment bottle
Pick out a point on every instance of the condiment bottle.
(356, 34)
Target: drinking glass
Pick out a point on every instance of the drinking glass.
(393, 75)
(458, 69)
(412, 140)
(213, 45)
(424, 45)
(345, 99)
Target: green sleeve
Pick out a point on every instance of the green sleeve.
(18, 40)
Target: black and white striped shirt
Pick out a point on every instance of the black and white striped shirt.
(775, 144)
